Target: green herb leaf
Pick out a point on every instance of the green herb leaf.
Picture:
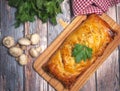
(81, 52)
(26, 10)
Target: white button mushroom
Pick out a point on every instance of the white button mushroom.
(35, 38)
(15, 51)
(38, 49)
(34, 53)
(24, 41)
(23, 59)
(8, 41)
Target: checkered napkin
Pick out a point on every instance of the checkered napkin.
(92, 6)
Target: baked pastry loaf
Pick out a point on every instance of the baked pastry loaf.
(94, 33)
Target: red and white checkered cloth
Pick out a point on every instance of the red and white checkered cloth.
(92, 6)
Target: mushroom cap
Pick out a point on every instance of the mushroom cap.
(23, 59)
(34, 53)
(8, 41)
(24, 41)
(35, 38)
(15, 51)
(38, 49)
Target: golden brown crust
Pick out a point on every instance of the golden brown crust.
(94, 33)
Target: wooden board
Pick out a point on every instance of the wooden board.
(59, 40)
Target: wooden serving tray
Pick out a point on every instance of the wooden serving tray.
(44, 57)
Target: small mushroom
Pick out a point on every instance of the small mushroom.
(38, 49)
(15, 51)
(8, 41)
(24, 41)
(23, 59)
(35, 38)
(34, 53)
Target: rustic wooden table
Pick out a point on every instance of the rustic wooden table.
(14, 77)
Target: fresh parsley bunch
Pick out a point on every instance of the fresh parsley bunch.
(28, 9)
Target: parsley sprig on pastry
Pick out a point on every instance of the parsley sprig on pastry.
(81, 52)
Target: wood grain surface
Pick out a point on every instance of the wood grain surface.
(14, 77)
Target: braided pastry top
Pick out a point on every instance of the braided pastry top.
(94, 33)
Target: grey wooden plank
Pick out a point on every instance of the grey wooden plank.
(11, 73)
(33, 81)
(107, 79)
(54, 31)
(118, 21)
(107, 74)
(90, 84)
(0, 17)
(118, 13)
